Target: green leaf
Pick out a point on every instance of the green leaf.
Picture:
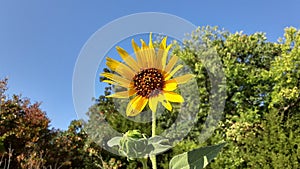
(114, 141)
(195, 159)
(160, 144)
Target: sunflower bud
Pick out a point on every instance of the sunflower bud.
(135, 145)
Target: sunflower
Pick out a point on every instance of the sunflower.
(148, 79)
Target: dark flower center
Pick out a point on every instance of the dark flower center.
(148, 82)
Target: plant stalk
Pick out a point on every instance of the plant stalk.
(144, 162)
(153, 157)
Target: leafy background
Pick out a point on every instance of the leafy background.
(260, 124)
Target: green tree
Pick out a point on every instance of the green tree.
(261, 119)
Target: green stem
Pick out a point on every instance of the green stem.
(153, 124)
(144, 162)
(153, 157)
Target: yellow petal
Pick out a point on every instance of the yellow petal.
(131, 104)
(160, 53)
(153, 101)
(150, 41)
(115, 83)
(183, 79)
(144, 45)
(116, 78)
(149, 55)
(171, 63)
(124, 94)
(120, 68)
(148, 61)
(128, 59)
(170, 85)
(136, 105)
(163, 43)
(152, 52)
(158, 59)
(165, 56)
(173, 97)
(164, 102)
(169, 75)
(109, 81)
(138, 54)
(152, 58)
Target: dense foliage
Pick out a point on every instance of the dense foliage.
(27, 142)
(261, 119)
(261, 124)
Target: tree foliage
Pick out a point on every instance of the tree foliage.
(27, 142)
(261, 120)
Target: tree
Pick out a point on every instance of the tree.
(27, 142)
(261, 119)
(23, 129)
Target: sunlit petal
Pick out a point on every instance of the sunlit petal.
(138, 54)
(120, 68)
(165, 56)
(183, 79)
(169, 75)
(170, 85)
(163, 43)
(108, 81)
(164, 102)
(173, 97)
(144, 45)
(115, 83)
(136, 105)
(151, 52)
(171, 63)
(128, 59)
(153, 101)
(131, 104)
(150, 41)
(116, 78)
(147, 56)
(124, 94)
(158, 59)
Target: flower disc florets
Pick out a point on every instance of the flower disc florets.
(148, 82)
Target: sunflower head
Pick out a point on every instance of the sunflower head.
(147, 78)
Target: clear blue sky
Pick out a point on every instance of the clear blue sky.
(40, 40)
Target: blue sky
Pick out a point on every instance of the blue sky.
(41, 40)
